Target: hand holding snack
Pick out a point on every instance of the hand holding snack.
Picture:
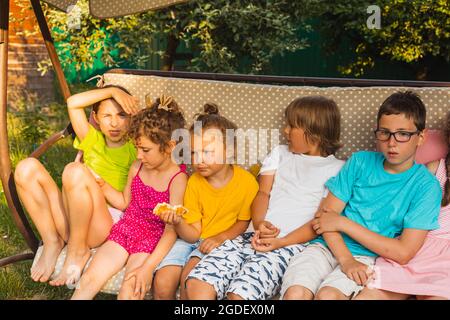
(170, 214)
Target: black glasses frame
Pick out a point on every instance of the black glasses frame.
(395, 134)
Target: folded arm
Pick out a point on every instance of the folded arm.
(400, 250)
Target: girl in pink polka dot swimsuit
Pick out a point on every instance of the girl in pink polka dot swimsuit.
(140, 240)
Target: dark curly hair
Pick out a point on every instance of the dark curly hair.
(157, 124)
(446, 196)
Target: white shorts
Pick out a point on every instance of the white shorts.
(316, 267)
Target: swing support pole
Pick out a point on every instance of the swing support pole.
(6, 174)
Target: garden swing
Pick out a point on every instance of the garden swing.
(100, 9)
(253, 102)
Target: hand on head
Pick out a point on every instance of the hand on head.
(128, 103)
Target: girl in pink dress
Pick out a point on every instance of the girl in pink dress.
(427, 275)
(140, 240)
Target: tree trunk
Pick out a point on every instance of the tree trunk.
(169, 55)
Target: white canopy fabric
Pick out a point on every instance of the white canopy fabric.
(116, 8)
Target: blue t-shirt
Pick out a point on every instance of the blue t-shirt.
(383, 202)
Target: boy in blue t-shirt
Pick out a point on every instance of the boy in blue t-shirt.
(376, 197)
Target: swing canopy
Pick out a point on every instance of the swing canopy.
(115, 8)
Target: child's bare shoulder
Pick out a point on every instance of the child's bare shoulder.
(135, 167)
(181, 178)
(433, 166)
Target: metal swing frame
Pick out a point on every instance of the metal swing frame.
(6, 173)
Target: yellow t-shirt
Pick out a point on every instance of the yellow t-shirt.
(112, 164)
(219, 209)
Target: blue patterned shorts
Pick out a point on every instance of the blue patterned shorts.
(235, 267)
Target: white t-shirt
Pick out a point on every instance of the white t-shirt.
(298, 187)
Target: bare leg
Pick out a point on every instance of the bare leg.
(127, 289)
(298, 293)
(186, 270)
(43, 201)
(165, 282)
(200, 290)
(234, 296)
(431, 298)
(108, 260)
(377, 294)
(89, 220)
(330, 293)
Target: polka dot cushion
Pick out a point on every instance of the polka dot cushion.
(257, 107)
(260, 107)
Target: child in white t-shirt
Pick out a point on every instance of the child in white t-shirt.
(291, 187)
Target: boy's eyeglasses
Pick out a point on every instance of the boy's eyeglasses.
(399, 136)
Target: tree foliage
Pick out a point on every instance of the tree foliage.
(221, 34)
(416, 32)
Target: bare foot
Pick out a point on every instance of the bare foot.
(72, 269)
(45, 266)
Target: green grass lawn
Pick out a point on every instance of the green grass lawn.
(26, 130)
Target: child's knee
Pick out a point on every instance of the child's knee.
(74, 173)
(198, 289)
(370, 294)
(26, 170)
(165, 284)
(329, 293)
(298, 293)
(234, 296)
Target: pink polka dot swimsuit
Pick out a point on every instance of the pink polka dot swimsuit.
(139, 230)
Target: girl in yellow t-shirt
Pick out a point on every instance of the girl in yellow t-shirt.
(78, 214)
(218, 198)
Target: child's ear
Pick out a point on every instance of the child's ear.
(171, 145)
(95, 117)
(422, 137)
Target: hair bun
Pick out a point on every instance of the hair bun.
(163, 102)
(210, 108)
